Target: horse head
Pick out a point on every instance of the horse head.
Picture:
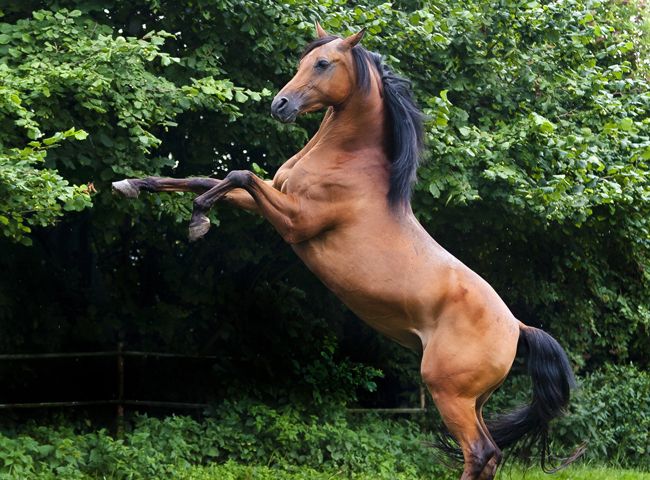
(326, 77)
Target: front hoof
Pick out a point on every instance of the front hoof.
(199, 228)
(126, 189)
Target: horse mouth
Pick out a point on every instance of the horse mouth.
(285, 116)
(290, 118)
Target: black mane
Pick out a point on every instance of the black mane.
(404, 116)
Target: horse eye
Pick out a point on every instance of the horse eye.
(322, 64)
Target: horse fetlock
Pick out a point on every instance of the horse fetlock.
(485, 457)
(490, 469)
(126, 188)
(200, 205)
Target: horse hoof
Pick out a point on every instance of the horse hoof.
(126, 189)
(199, 229)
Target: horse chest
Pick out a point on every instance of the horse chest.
(308, 183)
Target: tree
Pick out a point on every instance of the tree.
(537, 176)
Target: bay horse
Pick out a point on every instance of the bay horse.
(343, 204)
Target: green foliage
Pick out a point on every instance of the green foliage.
(609, 411)
(36, 196)
(536, 177)
(60, 70)
(612, 412)
(248, 439)
(242, 433)
(542, 132)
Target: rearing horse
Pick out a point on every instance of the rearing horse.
(343, 204)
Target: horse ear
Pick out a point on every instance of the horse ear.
(319, 30)
(352, 40)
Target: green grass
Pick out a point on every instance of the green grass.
(233, 471)
(577, 472)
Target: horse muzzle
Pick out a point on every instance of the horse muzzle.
(285, 108)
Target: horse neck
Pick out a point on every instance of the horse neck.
(359, 123)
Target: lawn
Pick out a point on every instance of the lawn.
(233, 471)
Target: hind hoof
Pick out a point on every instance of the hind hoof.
(199, 229)
(126, 189)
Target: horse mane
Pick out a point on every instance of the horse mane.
(405, 118)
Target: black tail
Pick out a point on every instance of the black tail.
(552, 379)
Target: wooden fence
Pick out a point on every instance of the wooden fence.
(121, 401)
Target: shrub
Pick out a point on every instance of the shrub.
(610, 411)
(243, 432)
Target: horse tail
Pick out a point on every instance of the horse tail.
(552, 380)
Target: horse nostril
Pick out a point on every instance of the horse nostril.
(282, 102)
(284, 108)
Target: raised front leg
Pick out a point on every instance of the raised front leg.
(131, 187)
(295, 220)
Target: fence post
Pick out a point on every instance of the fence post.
(120, 391)
(423, 397)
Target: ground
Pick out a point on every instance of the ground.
(233, 471)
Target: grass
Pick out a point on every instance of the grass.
(233, 471)
(577, 472)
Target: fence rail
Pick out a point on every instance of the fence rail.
(107, 353)
(121, 402)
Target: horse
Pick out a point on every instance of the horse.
(343, 203)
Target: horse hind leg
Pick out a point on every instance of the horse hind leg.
(460, 416)
(490, 468)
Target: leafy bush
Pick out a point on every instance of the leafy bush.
(537, 178)
(53, 57)
(244, 433)
(539, 141)
(610, 411)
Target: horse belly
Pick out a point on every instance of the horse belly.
(386, 287)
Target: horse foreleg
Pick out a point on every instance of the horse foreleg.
(295, 220)
(200, 223)
(131, 187)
